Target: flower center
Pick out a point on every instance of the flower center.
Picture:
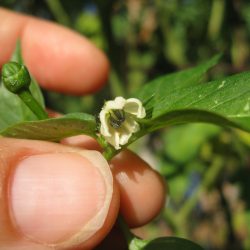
(116, 118)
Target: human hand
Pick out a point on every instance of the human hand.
(49, 192)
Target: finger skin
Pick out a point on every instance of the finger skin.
(142, 189)
(11, 151)
(59, 59)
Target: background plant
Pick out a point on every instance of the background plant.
(208, 170)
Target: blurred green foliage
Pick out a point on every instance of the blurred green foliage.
(207, 168)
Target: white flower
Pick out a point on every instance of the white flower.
(118, 120)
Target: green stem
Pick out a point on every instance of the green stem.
(169, 216)
(125, 230)
(59, 13)
(216, 18)
(209, 178)
(33, 105)
(133, 242)
(108, 151)
(114, 50)
(117, 89)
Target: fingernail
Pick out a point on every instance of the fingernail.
(53, 196)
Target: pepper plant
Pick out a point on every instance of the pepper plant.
(176, 98)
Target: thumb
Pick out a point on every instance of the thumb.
(53, 196)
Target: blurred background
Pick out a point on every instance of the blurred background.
(207, 168)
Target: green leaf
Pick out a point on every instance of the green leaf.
(171, 243)
(12, 109)
(166, 243)
(36, 92)
(137, 244)
(53, 129)
(182, 143)
(169, 83)
(223, 102)
(17, 55)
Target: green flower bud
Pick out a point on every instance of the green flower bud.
(15, 77)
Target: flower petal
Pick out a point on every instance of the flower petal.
(124, 137)
(114, 139)
(130, 124)
(118, 103)
(134, 106)
(104, 123)
(129, 127)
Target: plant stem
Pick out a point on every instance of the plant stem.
(133, 242)
(172, 222)
(59, 13)
(117, 88)
(177, 222)
(33, 105)
(208, 179)
(109, 152)
(125, 229)
(233, 241)
(114, 50)
(216, 18)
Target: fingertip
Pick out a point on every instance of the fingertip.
(62, 60)
(42, 178)
(41, 184)
(59, 59)
(142, 189)
(11, 28)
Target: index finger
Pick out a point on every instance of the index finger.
(59, 59)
